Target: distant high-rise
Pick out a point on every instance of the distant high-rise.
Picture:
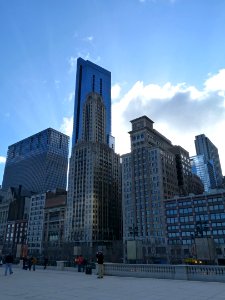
(183, 166)
(204, 170)
(94, 192)
(187, 181)
(205, 147)
(91, 78)
(38, 163)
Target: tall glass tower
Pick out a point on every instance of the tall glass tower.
(38, 163)
(91, 78)
(204, 170)
(205, 147)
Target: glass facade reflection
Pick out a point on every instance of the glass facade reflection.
(38, 163)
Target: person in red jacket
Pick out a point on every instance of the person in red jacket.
(80, 263)
(100, 261)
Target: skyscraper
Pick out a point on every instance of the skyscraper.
(94, 193)
(188, 182)
(205, 147)
(204, 170)
(149, 176)
(91, 78)
(183, 166)
(38, 163)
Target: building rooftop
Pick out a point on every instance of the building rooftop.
(38, 133)
(58, 200)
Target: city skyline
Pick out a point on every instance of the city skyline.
(168, 64)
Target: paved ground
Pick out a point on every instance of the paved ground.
(63, 285)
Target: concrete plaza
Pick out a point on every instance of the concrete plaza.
(66, 285)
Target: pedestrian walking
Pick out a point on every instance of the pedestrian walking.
(76, 261)
(29, 263)
(24, 262)
(45, 262)
(80, 263)
(34, 262)
(8, 264)
(100, 261)
(84, 264)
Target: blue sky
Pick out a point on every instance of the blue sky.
(166, 58)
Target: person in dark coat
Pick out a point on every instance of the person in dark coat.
(84, 264)
(29, 263)
(100, 261)
(8, 264)
(24, 263)
(45, 262)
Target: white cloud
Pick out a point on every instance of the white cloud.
(67, 126)
(216, 82)
(115, 91)
(88, 39)
(72, 62)
(98, 58)
(2, 160)
(70, 97)
(57, 83)
(180, 112)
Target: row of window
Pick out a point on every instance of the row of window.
(196, 202)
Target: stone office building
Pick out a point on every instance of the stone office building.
(39, 221)
(149, 176)
(93, 217)
(53, 229)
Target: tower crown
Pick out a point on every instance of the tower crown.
(94, 119)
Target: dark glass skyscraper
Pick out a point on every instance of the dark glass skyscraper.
(90, 78)
(38, 163)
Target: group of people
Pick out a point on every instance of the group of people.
(82, 263)
(29, 262)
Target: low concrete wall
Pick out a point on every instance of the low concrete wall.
(179, 272)
(136, 270)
